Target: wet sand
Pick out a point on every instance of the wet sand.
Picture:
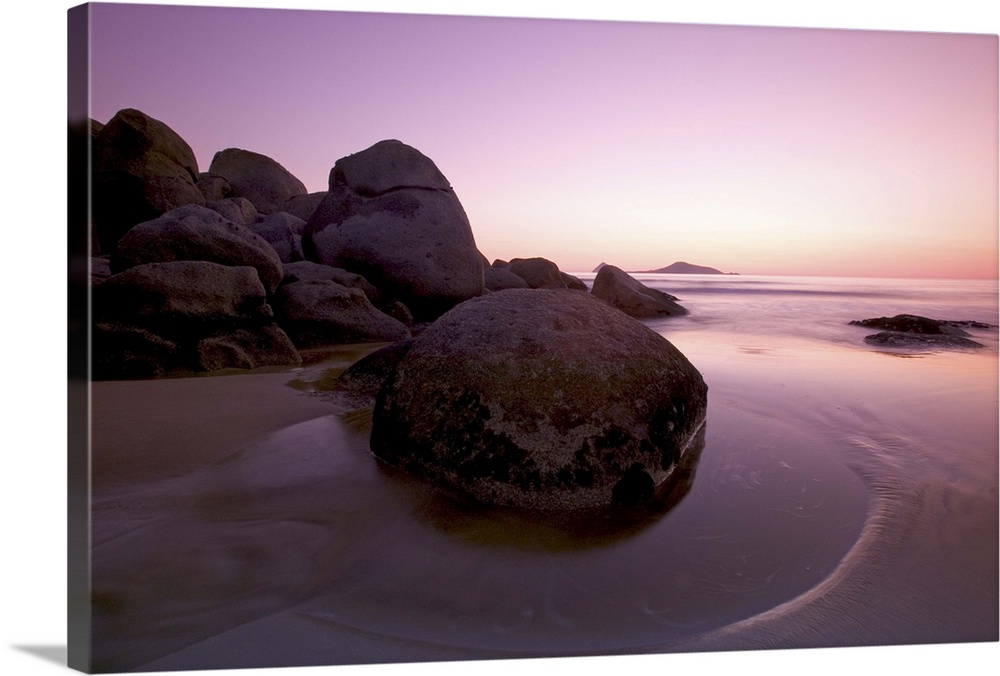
(150, 430)
(240, 521)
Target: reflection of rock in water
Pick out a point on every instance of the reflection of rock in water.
(546, 530)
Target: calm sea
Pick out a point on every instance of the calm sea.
(769, 310)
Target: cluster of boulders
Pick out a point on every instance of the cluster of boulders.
(240, 267)
(387, 248)
(915, 331)
(509, 382)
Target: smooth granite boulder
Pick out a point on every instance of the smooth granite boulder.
(392, 217)
(141, 169)
(618, 289)
(236, 209)
(544, 399)
(263, 181)
(387, 165)
(326, 313)
(194, 233)
(500, 278)
(279, 230)
(539, 273)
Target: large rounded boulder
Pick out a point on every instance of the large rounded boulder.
(544, 399)
(258, 178)
(619, 289)
(391, 216)
(141, 169)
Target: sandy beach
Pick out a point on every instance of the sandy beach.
(189, 423)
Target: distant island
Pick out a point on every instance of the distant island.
(681, 268)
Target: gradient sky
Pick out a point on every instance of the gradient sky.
(753, 150)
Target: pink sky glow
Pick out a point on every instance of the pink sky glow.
(753, 150)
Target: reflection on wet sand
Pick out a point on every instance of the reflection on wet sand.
(305, 524)
(550, 531)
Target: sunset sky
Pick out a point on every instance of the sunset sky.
(752, 150)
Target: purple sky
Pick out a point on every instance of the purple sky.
(755, 150)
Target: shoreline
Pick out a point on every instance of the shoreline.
(348, 521)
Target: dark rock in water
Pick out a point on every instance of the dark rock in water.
(618, 289)
(919, 340)
(543, 399)
(915, 331)
(326, 313)
(363, 379)
(539, 273)
(260, 179)
(236, 209)
(908, 324)
(194, 233)
(970, 324)
(391, 216)
(141, 169)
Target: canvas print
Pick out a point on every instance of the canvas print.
(413, 338)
